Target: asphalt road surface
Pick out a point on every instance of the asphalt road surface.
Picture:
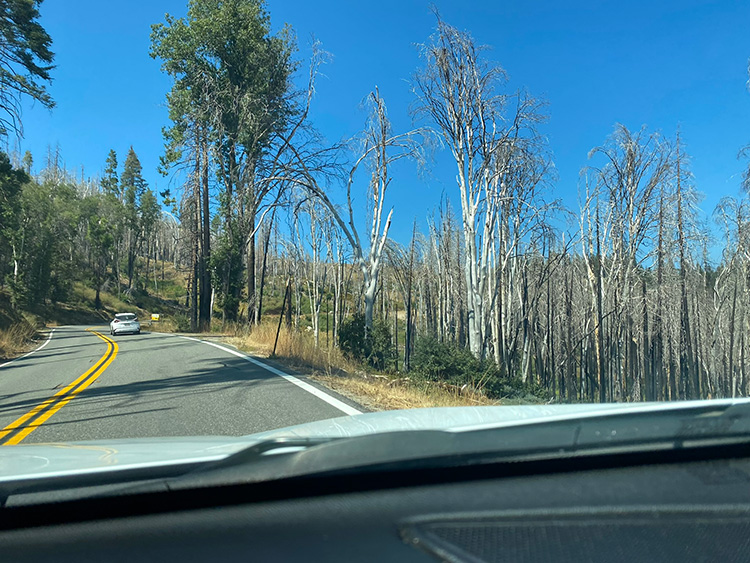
(84, 384)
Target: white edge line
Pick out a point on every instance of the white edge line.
(343, 407)
(49, 337)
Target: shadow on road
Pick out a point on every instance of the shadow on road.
(51, 422)
(216, 376)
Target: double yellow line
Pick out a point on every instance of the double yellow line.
(26, 424)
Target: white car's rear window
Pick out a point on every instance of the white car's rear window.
(126, 317)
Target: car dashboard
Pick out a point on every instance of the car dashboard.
(686, 506)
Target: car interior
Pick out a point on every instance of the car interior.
(686, 504)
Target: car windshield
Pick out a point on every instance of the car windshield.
(227, 219)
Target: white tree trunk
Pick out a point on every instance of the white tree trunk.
(371, 284)
(472, 271)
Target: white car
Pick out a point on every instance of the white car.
(124, 322)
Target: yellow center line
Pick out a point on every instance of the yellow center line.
(16, 423)
(49, 407)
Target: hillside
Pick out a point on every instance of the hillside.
(19, 327)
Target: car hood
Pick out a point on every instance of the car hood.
(38, 461)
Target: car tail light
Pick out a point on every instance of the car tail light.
(117, 320)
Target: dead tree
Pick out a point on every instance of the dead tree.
(488, 134)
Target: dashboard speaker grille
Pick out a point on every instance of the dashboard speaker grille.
(613, 535)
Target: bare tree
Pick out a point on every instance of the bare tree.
(310, 251)
(380, 150)
(619, 218)
(403, 262)
(489, 135)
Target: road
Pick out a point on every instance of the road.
(84, 384)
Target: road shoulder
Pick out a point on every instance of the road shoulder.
(346, 404)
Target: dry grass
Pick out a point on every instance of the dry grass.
(294, 348)
(165, 324)
(109, 301)
(16, 339)
(384, 393)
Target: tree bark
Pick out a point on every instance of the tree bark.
(205, 312)
(251, 295)
(259, 310)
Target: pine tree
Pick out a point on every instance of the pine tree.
(110, 183)
(132, 186)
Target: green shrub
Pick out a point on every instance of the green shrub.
(352, 337)
(381, 349)
(436, 361)
(376, 350)
(183, 322)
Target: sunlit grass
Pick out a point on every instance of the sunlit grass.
(15, 339)
(166, 323)
(380, 392)
(294, 347)
(86, 296)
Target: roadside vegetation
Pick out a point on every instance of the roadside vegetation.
(16, 331)
(443, 380)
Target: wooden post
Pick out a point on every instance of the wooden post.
(281, 316)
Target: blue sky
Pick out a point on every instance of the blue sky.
(663, 64)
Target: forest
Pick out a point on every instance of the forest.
(625, 298)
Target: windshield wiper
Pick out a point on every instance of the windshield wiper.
(274, 446)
